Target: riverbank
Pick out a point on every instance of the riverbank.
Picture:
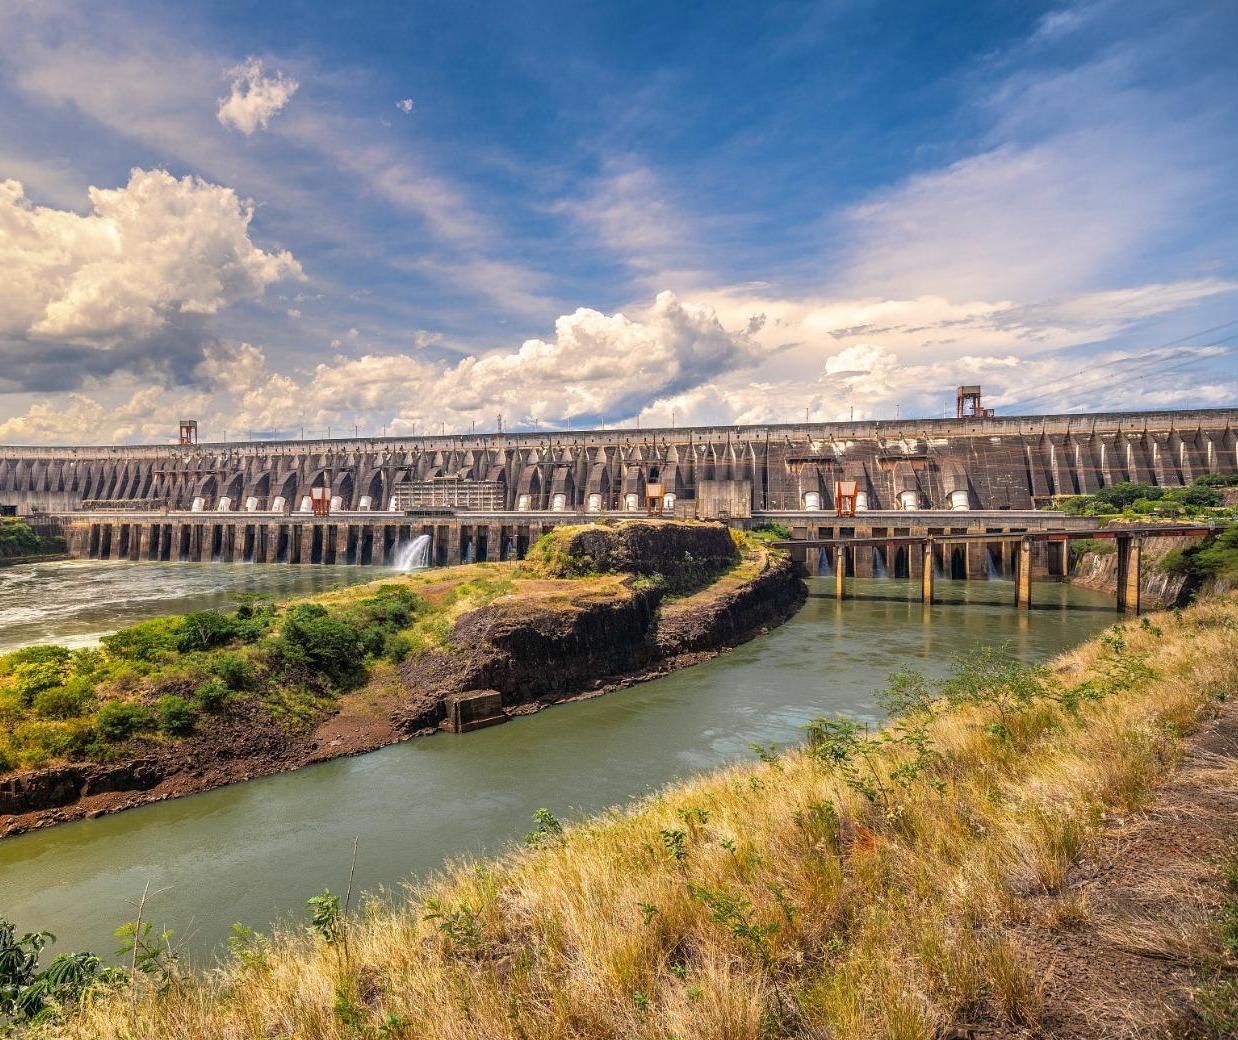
(508, 639)
(1173, 570)
(911, 885)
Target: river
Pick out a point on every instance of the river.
(254, 852)
(74, 602)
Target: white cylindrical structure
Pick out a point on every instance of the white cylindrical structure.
(594, 505)
(307, 506)
(631, 502)
(251, 504)
(558, 503)
(337, 503)
(861, 501)
(279, 504)
(959, 501)
(225, 504)
(909, 500)
(522, 503)
(668, 502)
(394, 504)
(198, 505)
(365, 503)
(812, 501)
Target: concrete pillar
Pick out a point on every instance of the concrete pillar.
(977, 560)
(1130, 563)
(840, 574)
(1023, 575)
(272, 546)
(926, 571)
(306, 536)
(453, 544)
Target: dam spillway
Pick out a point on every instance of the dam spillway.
(978, 463)
(488, 496)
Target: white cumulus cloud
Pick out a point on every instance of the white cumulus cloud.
(405, 105)
(255, 97)
(158, 247)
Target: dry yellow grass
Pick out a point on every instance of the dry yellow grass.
(765, 900)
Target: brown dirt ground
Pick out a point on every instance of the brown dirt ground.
(1152, 886)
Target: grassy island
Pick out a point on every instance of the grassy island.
(897, 884)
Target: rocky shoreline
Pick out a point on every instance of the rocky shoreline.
(514, 656)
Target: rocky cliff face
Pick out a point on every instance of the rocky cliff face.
(683, 554)
(532, 654)
(1099, 571)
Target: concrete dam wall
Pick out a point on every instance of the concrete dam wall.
(1007, 463)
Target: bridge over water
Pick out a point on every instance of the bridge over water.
(1129, 540)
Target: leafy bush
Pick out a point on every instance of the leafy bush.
(772, 531)
(41, 654)
(396, 647)
(204, 629)
(34, 677)
(1217, 480)
(17, 538)
(233, 670)
(146, 641)
(311, 637)
(119, 720)
(64, 702)
(1214, 557)
(212, 696)
(175, 714)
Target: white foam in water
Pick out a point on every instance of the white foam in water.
(411, 556)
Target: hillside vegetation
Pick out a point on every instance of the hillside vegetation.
(858, 887)
(17, 539)
(160, 680)
(1209, 497)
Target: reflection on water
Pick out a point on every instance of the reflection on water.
(254, 852)
(74, 602)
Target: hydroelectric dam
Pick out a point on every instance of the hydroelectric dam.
(489, 496)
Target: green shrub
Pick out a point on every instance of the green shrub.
(212, 696)
(17, 538)
(311, 637)
(40, 739)
(772, 531)
(41, 654)
(119, 720)
(68, 701)
(6, 764)
(1197, 494)
(34, 677)
(397, 646)
(175, 715)
(146, 641)
(204, 629)
(233, 670)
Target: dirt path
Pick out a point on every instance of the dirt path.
(1131, 937)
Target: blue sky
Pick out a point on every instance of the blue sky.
(609, 213)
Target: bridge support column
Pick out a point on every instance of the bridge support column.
(1023, 575)
(926, 573)
(840, 573)
(1130, 553)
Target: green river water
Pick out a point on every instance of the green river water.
(254, 852)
